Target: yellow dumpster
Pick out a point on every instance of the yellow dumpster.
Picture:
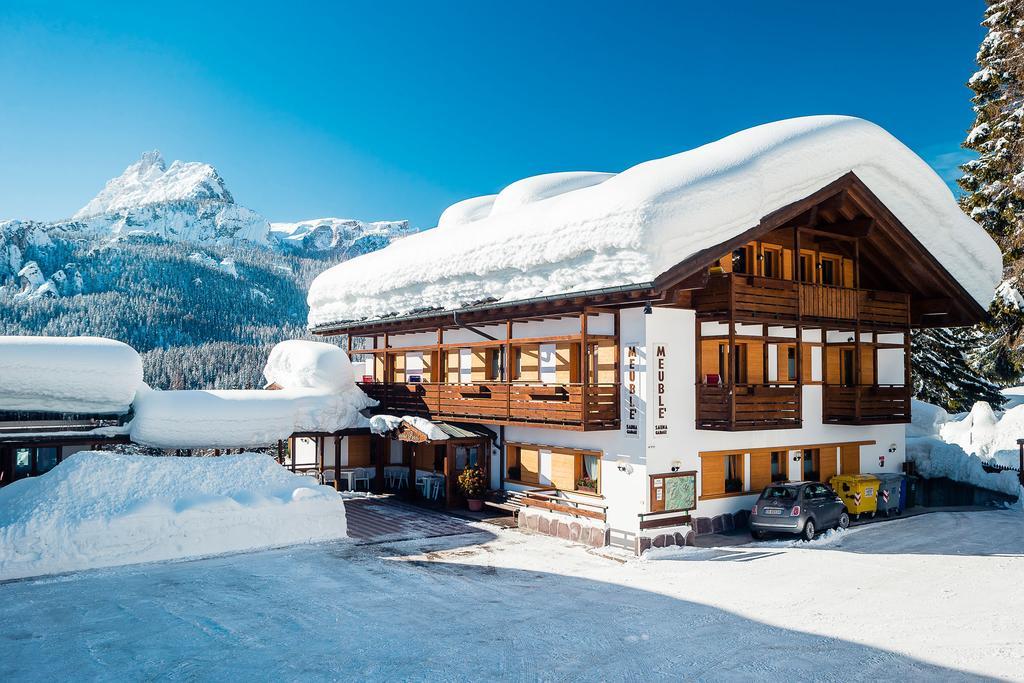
(858, 491)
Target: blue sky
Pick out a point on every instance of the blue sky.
(395, 110)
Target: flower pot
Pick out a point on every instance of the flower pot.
(475, 504)
(586, 489)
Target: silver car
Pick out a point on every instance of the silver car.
(802, 508)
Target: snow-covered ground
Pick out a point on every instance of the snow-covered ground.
(106, 509)
(937, 597)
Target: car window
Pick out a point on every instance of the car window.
(779, 493)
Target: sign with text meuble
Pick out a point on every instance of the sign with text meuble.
(661, 412)
(634, 367)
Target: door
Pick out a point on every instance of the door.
(462, 456)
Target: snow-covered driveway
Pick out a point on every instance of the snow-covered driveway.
(875, 604)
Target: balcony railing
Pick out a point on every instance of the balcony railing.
(866, 404)
(756, 298)
(738, 407)
(565, 406)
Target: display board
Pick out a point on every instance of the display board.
(674, 491)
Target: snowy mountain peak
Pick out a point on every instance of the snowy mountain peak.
(150, 181)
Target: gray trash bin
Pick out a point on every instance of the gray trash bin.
(889, 489)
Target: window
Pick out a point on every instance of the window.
(811, 466)
(31, 462)
(565, 469)
(791, 363)
(466, 456)
(806, 267)
(721, 474)
(741, 261)
(829, 271)
(512, 468)
(846, 376)
(23, 462)
(780, 466)
(733, 473)
(771, 266)
(494, 365)
(734, 370)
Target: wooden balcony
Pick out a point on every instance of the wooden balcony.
(754, 298)
(557, 406)
(743, 407)
(866, 404)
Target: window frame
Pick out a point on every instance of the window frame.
(579, 468)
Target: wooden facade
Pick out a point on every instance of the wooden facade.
(560, 382)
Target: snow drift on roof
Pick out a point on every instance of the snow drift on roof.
(106, 509)
(68, 374)
(301, 364)
(242, 418)
(634, 226)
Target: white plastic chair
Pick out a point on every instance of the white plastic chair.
(361, 475)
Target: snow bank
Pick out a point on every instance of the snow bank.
(987, 433)
(104, 509)
(298, 364)
(926, 419)
(68, 374)
(242, 418)
(631, 227)
(935, 458)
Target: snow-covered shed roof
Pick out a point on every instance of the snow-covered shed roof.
(81, 375)
(317, 393)
(572, 232)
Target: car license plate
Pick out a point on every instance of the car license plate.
(772, 511)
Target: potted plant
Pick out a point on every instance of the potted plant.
(586, 484)
(473, 485)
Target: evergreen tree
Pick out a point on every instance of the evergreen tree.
(942, 374)
(994, 182)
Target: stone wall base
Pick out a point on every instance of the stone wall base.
(569, 528)
(652, 538)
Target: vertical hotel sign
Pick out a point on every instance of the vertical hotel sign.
(633, 369)
(662, 414)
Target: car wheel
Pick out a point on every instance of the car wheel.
(844, 520)
(757, 535)
(809, 531)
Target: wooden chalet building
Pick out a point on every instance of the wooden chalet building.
(781, 351)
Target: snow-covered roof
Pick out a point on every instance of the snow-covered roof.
(242, 418)
(563, 233)
(68, 375)
(302, 364)
(318, 394)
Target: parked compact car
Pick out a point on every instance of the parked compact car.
(802, 508)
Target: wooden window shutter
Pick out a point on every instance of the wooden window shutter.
(563, 470)
(828, 464)
(359, 451)
(849, 456)
(760, 470)
(806, 368)
(867, 365)
(847, 272)
(712, 475)
(755, 362)
(529, 465)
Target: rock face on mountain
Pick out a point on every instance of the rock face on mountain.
(166, 261)
(345, 236)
